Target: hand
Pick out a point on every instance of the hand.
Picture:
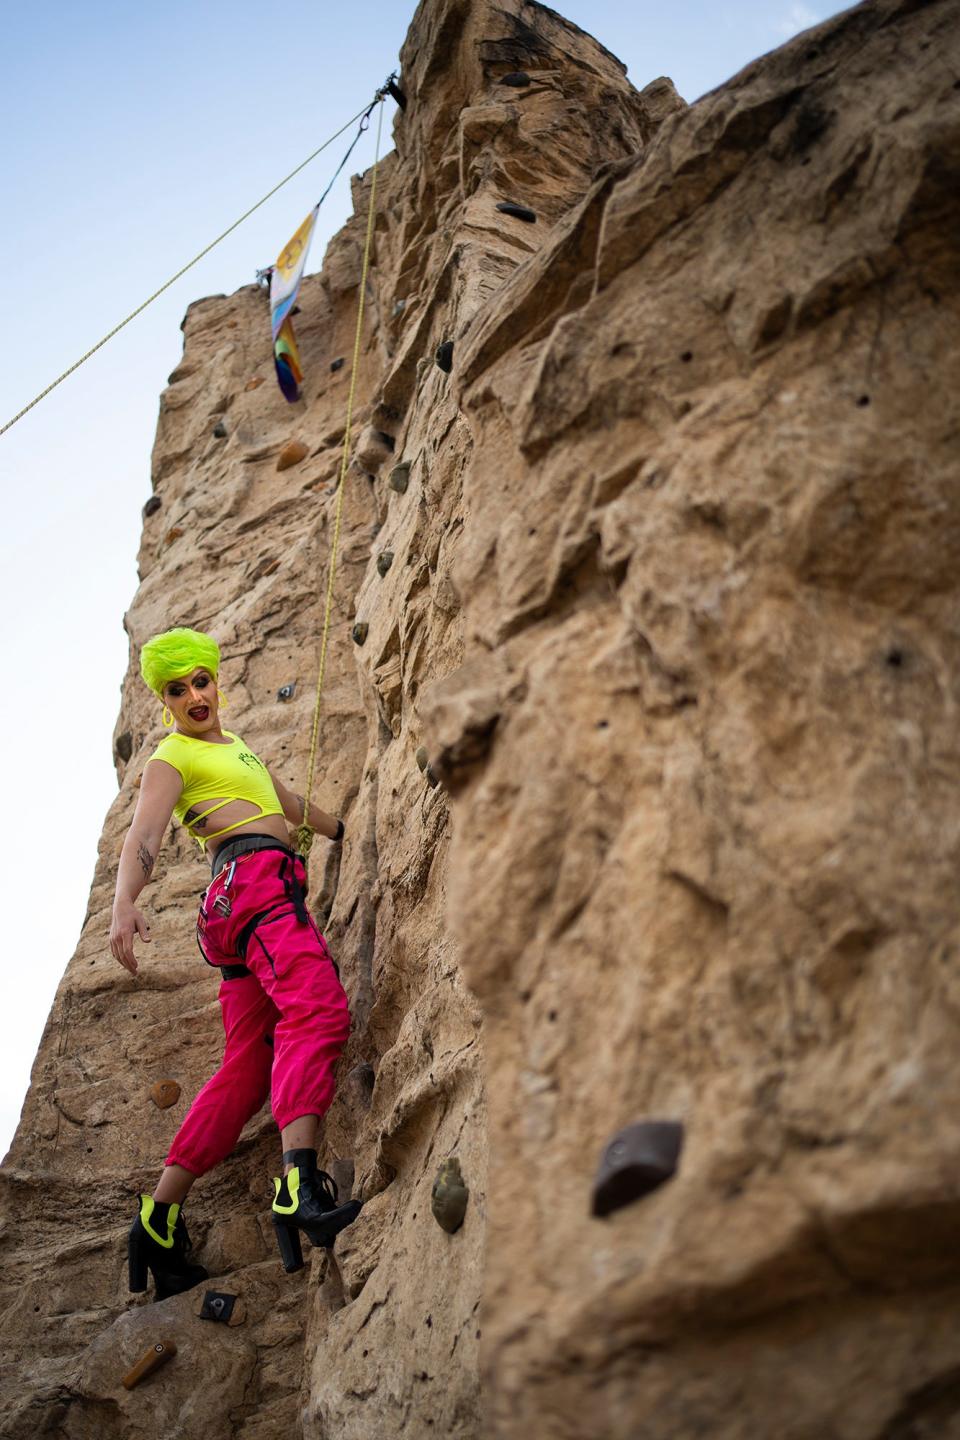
(128, 921)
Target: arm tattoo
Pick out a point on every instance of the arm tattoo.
(146, 860)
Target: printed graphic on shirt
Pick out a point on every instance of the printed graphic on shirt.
(251, 760)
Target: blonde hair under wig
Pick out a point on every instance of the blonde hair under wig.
(175, 653)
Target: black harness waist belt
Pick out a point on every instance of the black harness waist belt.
(234, 972)
(243, 845)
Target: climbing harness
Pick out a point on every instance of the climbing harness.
(305, 832)
(384, 89)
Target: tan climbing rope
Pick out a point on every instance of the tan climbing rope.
(305, 831)
(182, 271)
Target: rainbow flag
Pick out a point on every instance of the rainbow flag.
(284, 284)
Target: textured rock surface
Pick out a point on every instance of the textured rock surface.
(673, 612)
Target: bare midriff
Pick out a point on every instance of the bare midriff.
(242, 815)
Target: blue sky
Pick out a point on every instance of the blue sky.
(133, 135)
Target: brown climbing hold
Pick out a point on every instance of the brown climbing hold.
(449, 1196)
(400, 477)
(152, 506)
(172, 534)
(635, 1162)
(156, 1356)
(255, 383)
(384, 561)
(360, 632)
(165, 1093)
(292, 453)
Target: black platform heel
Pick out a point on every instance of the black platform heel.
(306, 1199)
(158, 1241)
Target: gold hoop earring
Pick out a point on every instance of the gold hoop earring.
(224, 702)
(167, 716)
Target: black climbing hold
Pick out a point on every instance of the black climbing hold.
(360, 632)
(863, 401)
(636, 1161)
(519, 212)
(152, 506)
(124, 746)
(444, 356)
(895, 658)
(400, 477)
(286, 691)
(517, 79)
(217, 1305)
(336, 365)
(384, 561)
(449, 1196)
(220, 430)
(394, 89)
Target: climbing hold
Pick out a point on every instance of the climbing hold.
(220, 430)
(165, 1093)
(360, 632)
(384, 561)
(255, 383)
(394, 89)
(172, 534)
(423, 757)
(221, 1307)
(448, 1198)
(124, 746)
(152, 506)
(363, 1077)
(636, 1161)
(292, 453)
(517, 79)
(519, 212)
(336, 365)
(156, 1356)
(286, 691)
(400, 477)
(444, 356)
(399, 306)
(432, 780)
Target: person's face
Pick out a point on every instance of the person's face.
(193, 701)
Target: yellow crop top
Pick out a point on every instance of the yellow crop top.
(221, 772)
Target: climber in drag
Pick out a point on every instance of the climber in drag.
(285, 1014)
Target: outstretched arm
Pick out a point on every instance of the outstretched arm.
(320, 821)
(159, 791)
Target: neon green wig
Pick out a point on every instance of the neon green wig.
(175, 653)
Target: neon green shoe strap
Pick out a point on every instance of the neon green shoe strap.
(147, 1205)
(293, 1190)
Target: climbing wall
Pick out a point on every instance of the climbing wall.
(640, 711)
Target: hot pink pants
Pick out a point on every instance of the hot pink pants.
(285, 1022)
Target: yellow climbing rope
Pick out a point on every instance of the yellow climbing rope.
(182, 271)
(305, 831)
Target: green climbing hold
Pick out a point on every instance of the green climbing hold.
(423, 757)
(400, 477)
(449, 1196)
